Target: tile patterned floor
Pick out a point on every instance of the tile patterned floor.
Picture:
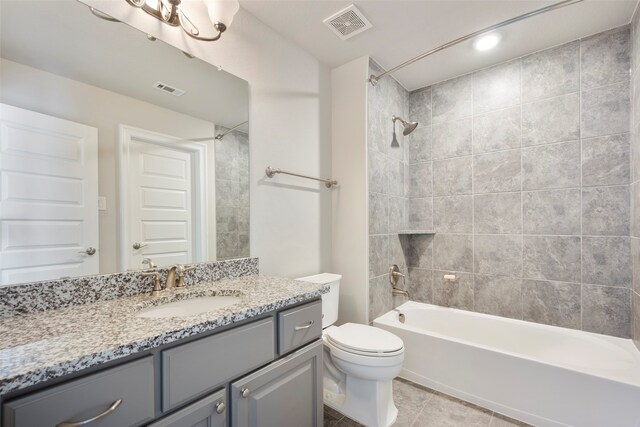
(422, 407)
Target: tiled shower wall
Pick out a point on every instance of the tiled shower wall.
(388, 199)
(635, 175)
(232, 195)
(523, 171)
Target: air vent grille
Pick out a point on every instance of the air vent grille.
(348, 22)
(168, 89)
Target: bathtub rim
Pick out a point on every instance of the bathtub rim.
(389, 319)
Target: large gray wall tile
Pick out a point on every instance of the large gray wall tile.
(635, 153)
(451, 139)
(457, 293)
(551, 303)
(378, 255)
(635, 99)
(635, 209)
(551, 166)
(421, 251)
(605, 110)
(420, 285)
(499, 213)
(551, 120)
(636, 319)
(551, 212)
(499, 255)
(497, 172)
(551, 72)
(420, 180)
(605, 160)
(421, 214)
(420, 145)
(453, 214)
(378, 172)
(452, 176)
(397, 185)
(606, 310)
(496, 87)
(398, 214)
(380, 298)
(552, 258)
(453, 252)
(605, 211)
(500, 296)
(399, 252)
(420, 106)
(498, 130)
(605, 58)
(635, 263)
(452, 99)
(378, 213)
(606, 261)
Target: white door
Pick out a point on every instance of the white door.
(162, 210)
(48, 197)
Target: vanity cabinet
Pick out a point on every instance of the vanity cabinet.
(208, 412)
(284, 393)
(185, 384)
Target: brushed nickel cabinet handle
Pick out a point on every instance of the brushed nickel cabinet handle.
(109, 410)
(245, 392)
(220, 407)
(307, 326)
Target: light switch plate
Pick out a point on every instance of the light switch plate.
(102, 203)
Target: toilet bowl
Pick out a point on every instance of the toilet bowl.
(360, 363)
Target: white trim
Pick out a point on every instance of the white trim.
(199, 177)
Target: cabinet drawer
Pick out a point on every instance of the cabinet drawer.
(200, 366)
(299, 326)
(87, 397)
(210, 412)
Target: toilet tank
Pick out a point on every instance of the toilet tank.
(330, 300)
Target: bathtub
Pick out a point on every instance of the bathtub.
(543, 375)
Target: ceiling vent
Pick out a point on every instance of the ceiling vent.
(348, 22)
(168, 89)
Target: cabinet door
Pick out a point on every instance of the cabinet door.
(285, 393)
(208, 412)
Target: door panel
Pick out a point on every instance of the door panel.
(48, 197)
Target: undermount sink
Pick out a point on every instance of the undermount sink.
(189, 307)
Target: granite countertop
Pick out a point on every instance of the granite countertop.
(41, 346)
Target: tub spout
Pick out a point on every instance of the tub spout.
(398, 291)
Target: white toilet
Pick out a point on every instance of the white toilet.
(360, 363)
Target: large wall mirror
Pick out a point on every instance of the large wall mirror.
(117, 152)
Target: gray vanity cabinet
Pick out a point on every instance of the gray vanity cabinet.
(287, 392)
(208, 412)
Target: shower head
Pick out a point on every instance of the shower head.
(408, 127)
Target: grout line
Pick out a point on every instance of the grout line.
(581, 179)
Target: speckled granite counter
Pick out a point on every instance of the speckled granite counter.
(41, 346)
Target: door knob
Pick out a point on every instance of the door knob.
(138, 245)
(245, 392)
(89, 251)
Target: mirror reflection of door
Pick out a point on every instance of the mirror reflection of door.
(163, 198)
(49, 197)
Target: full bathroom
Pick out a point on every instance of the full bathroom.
(319, 213)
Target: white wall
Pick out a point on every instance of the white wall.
(350, 202)
(290, 127)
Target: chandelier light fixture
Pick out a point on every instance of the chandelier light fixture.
(221, 13)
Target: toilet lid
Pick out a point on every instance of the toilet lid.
(363, 338)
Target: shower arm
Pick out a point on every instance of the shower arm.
(373, 79)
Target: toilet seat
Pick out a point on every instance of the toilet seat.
(364, 340)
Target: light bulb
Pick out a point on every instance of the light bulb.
(487, 42)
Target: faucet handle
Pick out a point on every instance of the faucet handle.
(181, 270)
(156, 282)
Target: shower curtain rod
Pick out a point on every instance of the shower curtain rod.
(373, 79)
(222, 135)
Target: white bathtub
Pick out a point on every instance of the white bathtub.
(543, 375)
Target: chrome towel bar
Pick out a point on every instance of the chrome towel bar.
(271, 172)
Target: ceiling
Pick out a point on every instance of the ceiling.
(64, 38)
(404, 29)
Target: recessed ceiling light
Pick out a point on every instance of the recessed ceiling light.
(487, 42)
